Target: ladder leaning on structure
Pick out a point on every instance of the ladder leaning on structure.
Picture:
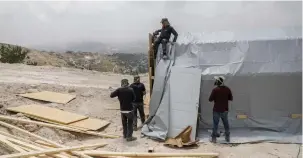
(151, 64)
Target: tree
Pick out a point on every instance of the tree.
(12, 54)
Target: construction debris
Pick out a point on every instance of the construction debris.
(183, 139)
(51, 151)
(47, 113)
(62, 127)
(134, 154)
(34, 148)
(50, 97)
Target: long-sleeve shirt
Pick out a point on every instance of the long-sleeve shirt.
(166, 33)
(221, 95)
(126, 97)
(139, 90)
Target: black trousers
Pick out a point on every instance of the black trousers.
(138, 107)
(127, 123)
(159, 41)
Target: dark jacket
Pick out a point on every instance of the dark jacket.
(138, 88)
(221, 95)
(126, 98)
(166, 33)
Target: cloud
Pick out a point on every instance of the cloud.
(40, 23)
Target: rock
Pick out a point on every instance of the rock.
(20, 115)
(1, 106)
(31, 127)
(3, 112)
(71, 91)
(32, 91)
(34, 86)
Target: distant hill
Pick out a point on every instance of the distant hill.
(98, 47)
(126, 63)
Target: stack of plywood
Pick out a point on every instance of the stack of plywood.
(56, 116)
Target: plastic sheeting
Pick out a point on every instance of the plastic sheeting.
(264, 76)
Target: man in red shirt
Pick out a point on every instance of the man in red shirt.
(220, 96)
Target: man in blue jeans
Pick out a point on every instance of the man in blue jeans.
(220, 95)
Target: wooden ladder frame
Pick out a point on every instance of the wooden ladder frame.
(151, 64)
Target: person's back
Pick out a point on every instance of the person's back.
(221, 96)
(126, 98)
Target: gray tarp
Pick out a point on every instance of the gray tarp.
(264, 76)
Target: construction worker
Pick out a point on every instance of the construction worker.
(220, 95)
(140, 91)
(164, 37)
(126, 98)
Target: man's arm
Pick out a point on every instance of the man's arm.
(230, 95)
(114, 93)
(212, 96)
(157, 32)
(175, 34)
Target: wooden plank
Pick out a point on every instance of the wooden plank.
(30, 147)
(90, 123)
(21, 139)
(4, 141)
(52, 151)
(2, 117)
(134, 154)
(47, 113)
(150, 62)
(40, 138)
(50, 97)
(241, 116)
(47, 121)
(296, 116)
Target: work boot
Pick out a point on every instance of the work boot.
(165, 56)
(227, 138)
(214, 139)
(131, 139)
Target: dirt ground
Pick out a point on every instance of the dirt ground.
(92, 89)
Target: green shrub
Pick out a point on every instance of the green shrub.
(12, 54)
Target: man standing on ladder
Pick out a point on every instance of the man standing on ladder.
(164, 37)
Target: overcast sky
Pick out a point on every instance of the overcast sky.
(42, 23)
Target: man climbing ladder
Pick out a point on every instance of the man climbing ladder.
(164, 37)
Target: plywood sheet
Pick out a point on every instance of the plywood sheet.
(90, 123)
(50, 97)
(52, 122)
(47, 113)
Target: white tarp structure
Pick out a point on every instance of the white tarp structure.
(263, 69)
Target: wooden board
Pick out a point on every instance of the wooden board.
(90, 123)
(47, 113)
(241, 116)
(50, 97)
(47, 121)
(296, 116)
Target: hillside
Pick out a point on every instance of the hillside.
(126, 63)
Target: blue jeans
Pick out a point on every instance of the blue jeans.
(216, 120)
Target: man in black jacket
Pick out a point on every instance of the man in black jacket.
(164, 37)
(126, 98)
(140, 91)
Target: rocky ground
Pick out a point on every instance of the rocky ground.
(92, 89)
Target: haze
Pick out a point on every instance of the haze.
(57, 23)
